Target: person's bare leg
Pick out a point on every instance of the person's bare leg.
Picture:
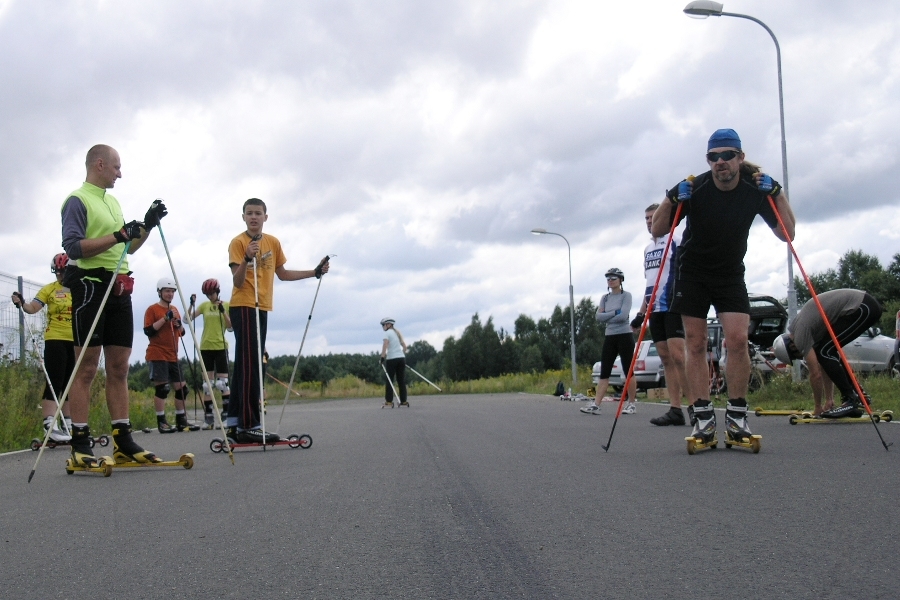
(117, 381)
(696, 370)
(80, 393)
(737, 375)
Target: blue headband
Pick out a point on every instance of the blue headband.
(724, 138)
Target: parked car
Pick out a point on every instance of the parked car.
(872, 353)
(648, 370)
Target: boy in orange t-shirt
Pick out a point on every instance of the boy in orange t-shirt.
(253, 248)
(162, 324)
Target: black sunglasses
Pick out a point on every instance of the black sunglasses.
(726, 156)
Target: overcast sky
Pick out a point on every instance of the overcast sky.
(421, 141)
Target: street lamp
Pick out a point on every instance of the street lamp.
(541, 231)
(702, 9)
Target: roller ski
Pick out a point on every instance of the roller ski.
(704, 434)
(807, 418)
(253, 438)
(128, 454)
(82, 458)
(737, 432)
(762, 412)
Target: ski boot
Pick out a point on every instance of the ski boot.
(182, 424)
(83, 458)
(674, 416)
(851, 407)
(163, 425)
(737, 431)
(388, 404)
(208, 421)
(255, 436)
(57, 436)
(405, 403)
(126, 450)
(704, 434)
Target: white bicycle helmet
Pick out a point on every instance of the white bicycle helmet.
(785, 350)
(165, 283)
(387, 320)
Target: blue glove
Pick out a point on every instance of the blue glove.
(681, 192)
(768, 185)
(618, 312)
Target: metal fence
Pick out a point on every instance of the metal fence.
(21, 334)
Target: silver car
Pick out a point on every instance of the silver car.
(648, 370)
(872, 353)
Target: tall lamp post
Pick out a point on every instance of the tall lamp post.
(706, 8)
(540, 231)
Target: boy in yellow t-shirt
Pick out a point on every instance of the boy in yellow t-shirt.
(253, 248)
(59, 350)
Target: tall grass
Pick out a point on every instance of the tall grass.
(782, 393)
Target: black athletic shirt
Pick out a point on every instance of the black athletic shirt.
(718, 225)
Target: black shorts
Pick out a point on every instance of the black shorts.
(621, 345)
(215, 361)
(115, 327)
(693, 298)
(665, 326)
(59, 360)
(161, 370)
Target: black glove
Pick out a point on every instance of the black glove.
(177, 323)
(637, 321)
(131, 231)
(17, 299)
(381, 360)
(221, 308)
(169, 316)
(154, 214)
(319, 271)
(193, 299)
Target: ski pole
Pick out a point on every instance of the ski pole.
(643, 328)
(259, 349)
(47, 377)
(78, 360)
(423, 377)
(193, 336)
(290, 384)
(390, 383)
(283, 384)
(844, 362)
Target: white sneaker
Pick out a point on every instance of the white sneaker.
(628, 409)
(591, 409)
(59, 436)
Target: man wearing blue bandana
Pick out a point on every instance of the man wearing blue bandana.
(720, 206)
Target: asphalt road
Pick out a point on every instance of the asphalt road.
(485, 496)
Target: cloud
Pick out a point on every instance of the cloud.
(421, 142)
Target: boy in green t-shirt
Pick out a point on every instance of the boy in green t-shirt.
(213, 346)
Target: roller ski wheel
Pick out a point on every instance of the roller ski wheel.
(753, 442)
(103, 465)
(103, 440)
(217, 445)
(186, 461)
(695, 444)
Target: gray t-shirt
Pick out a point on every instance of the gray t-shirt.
(808, 328)
(606, 312)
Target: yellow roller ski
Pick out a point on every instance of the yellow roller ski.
(807, 418)
(761, 412)
(104, 466)
(186, 461)
(695, 444)
(752, 442)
